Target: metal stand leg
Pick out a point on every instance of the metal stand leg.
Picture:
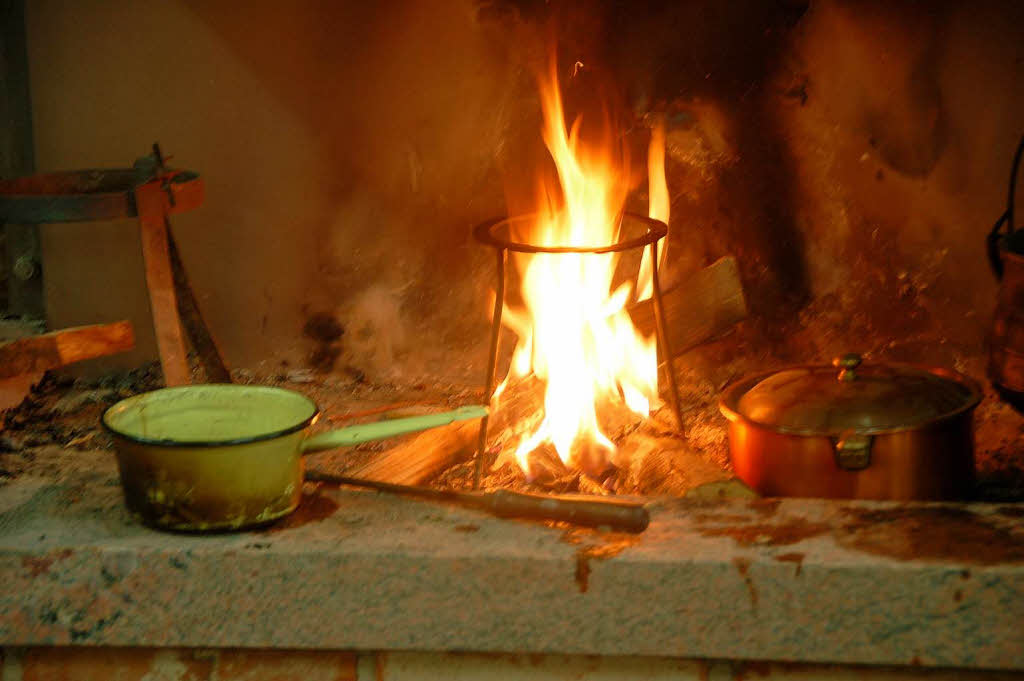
(492, 363)
(666, 350)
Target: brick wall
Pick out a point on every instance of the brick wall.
(155, 664)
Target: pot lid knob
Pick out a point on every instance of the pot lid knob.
(847, 364)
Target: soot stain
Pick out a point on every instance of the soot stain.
(795, 558)
(765, 507)
(323, 327)
(326, 332)
(314, 507)
(582, 571)
(791, 531)
(743, 669)
(743, 567)
(610, 545)
(931, 533)
(720, 518)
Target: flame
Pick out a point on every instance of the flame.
(574, 332)
(657, 189)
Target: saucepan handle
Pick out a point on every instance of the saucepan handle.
(367, 432)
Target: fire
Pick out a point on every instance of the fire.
(658, 204)
(574, 331)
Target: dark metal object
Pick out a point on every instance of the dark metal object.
(22, 252)
(1006, 256)
(996, 241)
(96, 194)
(666, 350)
(895, 431)
(107, 194)
(655, 230)
(613, 515)
(492, 361)
(484, 233)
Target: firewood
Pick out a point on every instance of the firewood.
(423, 456)
(59, 348)
(701, 307)
(719, 490)
(662, 466)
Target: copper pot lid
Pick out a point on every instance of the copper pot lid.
(820, 400)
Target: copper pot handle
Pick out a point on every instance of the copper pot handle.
(1007, 218)
(847, 365)
(853, 451)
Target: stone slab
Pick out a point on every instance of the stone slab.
(794, 580)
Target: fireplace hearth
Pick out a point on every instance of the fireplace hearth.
(591, 217)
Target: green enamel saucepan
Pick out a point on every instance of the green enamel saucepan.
(227, 457)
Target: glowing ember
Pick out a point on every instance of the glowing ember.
(574, 332)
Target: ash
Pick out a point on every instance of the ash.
(56, 428)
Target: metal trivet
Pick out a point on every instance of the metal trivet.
(485, 233)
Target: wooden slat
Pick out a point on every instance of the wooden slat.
(192, 318)
(150, 199)
(701, 307)
(60, 348)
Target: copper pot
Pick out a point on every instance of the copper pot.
(1006, 255)
(880, 431)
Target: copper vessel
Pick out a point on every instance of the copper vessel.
(880, 431)
(1006, 341)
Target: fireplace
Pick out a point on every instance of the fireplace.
(790, 182)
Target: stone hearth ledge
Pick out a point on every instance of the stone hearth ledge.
(793, 580)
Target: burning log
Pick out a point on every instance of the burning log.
(422, 457)
(702, 307)
(662, 466)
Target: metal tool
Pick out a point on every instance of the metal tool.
(497, 233)
(613, 515)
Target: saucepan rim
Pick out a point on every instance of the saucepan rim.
(171, 442)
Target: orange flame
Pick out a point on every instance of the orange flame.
(657, 189)
(574, 333)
